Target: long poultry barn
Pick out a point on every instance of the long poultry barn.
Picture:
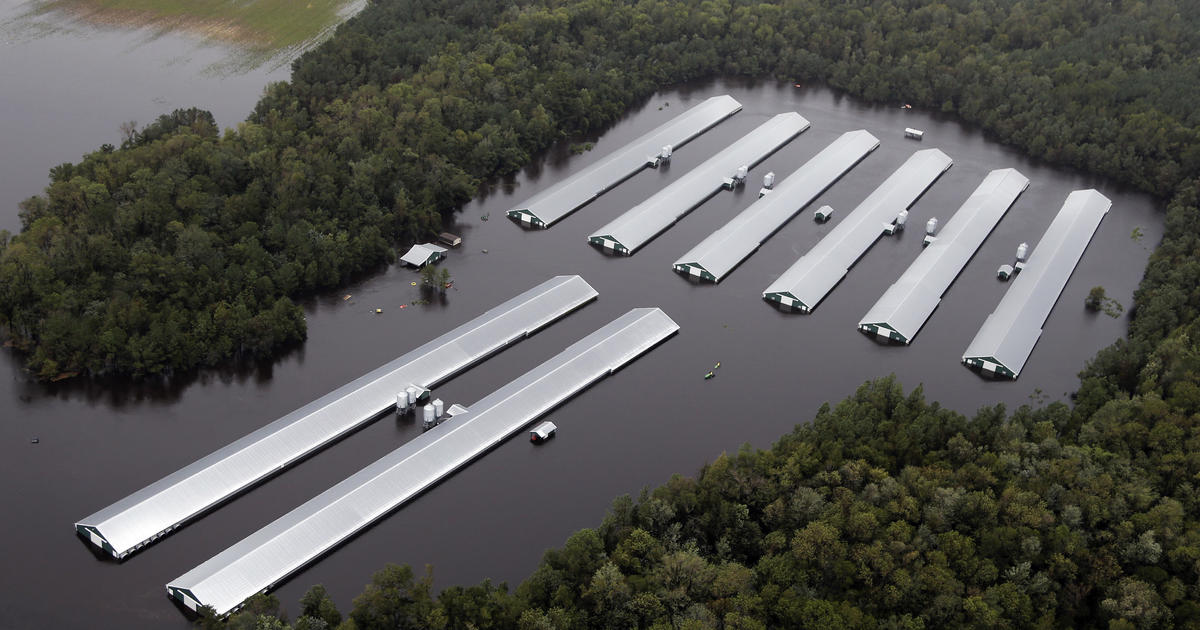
(154, 511)
(907, 305)
(640, 224)
(724, 249)
(1007, 337)
(811, 278)
(572, 193)
(265, 558)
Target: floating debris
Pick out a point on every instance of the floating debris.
(717, 366)
(34, 441)
(403, 306)
(483, 250)
(485, 217)
(346, 297)
(413, 283)
(378, 311)
(709, 375)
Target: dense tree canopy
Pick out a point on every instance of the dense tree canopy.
(185, 246)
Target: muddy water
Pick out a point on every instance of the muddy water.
(656, 417)
(67, 87)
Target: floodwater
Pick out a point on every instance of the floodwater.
(656, 417)
(68, 86)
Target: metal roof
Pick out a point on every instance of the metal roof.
(155, 510)
(907, 304)
(420, 254)
(718, 254)
(812, 277)
(269, 555)
(556, 202)
(643, 222)
(1008, 335)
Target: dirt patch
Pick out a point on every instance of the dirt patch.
(219, 29)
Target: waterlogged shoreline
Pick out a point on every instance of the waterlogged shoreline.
(70, 84)
(259, 33)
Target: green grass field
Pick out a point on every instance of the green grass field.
(257, 25)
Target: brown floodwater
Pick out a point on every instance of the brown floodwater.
(656, 417)
(67, 86)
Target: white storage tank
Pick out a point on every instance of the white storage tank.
(666, 152)
(931, 226)
(412, 395)
(438, 408)
(1022, 251)
(769, 180)
(427, 416)
(742, 172)
(401, 402)
(902, 218)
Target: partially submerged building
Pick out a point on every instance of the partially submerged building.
(906, 305)
(640, 224)
(423, 254)
(266, 557)
(724, 249)
(572, 193)
(812, 277)
(1007, 337)
(154, 511)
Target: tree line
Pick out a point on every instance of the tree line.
(187, 246)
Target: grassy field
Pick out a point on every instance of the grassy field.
(262, 26)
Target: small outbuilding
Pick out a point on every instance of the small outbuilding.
(449, 240)
(542, 432)
(915, 134)
(423, 254)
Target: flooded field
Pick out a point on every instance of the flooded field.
(634, 429)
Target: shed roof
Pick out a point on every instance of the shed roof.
(421, 254)
(1007, 337)
(812, 277)
(718, 254)
(646, 220)
(272, 553)
(126, 525)
(907, 304)
(563, 198)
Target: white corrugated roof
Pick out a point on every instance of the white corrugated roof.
(419, 254)
(1008, 335)
(724, 249)
(644, 221)
(908, 303)
(812, 277)
(125, 525)
(565, 197)
(269, 555)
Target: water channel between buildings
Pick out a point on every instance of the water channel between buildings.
(656, 417)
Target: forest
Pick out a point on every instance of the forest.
(187, 246)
